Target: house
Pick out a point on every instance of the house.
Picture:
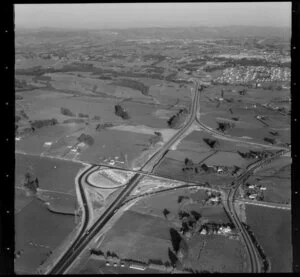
(263, 188)
(48, 143)
(252, 196)
(224, 230)
(203, 231)
(137, 267)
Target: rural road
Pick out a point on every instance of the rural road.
(265, 204)
(86, 236)
(254, 259)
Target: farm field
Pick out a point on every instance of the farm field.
(36, 221)
(170, 168)
(44, 169)
(276, 178)
(99, 267)
(109, 144)
(95, 105)
(245, 108)
(34, 238)
(205, 255)
(148, 235)
(194, 147)
(272, 229)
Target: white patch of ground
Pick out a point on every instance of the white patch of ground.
(108, 180)
(152, 184)
(142, 129)
(194, 127)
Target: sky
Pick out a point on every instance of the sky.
(126, 15)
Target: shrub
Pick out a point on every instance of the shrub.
(66, 112)
(86, 139)
(176, 120)
(120, 111)
(83, 115)
(103, 126)
(37, 124)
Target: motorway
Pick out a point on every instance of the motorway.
(85, 237)
(254, 259)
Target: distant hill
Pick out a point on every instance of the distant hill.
(206, 32)
(167, 32)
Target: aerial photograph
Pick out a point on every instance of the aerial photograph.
(153, 138)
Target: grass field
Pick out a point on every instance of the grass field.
(37, 231)
(276, 178)
(35, 224)
(44, 169)
(148, 234)
(146, 237)
(272, 229)
(247, 124)
(216, 254)
(170, 168)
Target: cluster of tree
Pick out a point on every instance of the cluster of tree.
(196, 168)
(214, 227)
(120, 111)
(66, 111)
(260, 194)
(81, 115)
(74, 120)
(37, 124)
(211, 143)
(270, 140)
(157, 137)
(181, 198)
(189, 221)
(97, 252)
(85, 67)
(88, 139)
(31, 183)
(242, 92)
(223, 126)
(176, 120)
(253, 154)
(103, 126)
(180, 248)
(96, 117)
(166, 212)
(133, 84)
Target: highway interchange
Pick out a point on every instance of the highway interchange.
(85, 236)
